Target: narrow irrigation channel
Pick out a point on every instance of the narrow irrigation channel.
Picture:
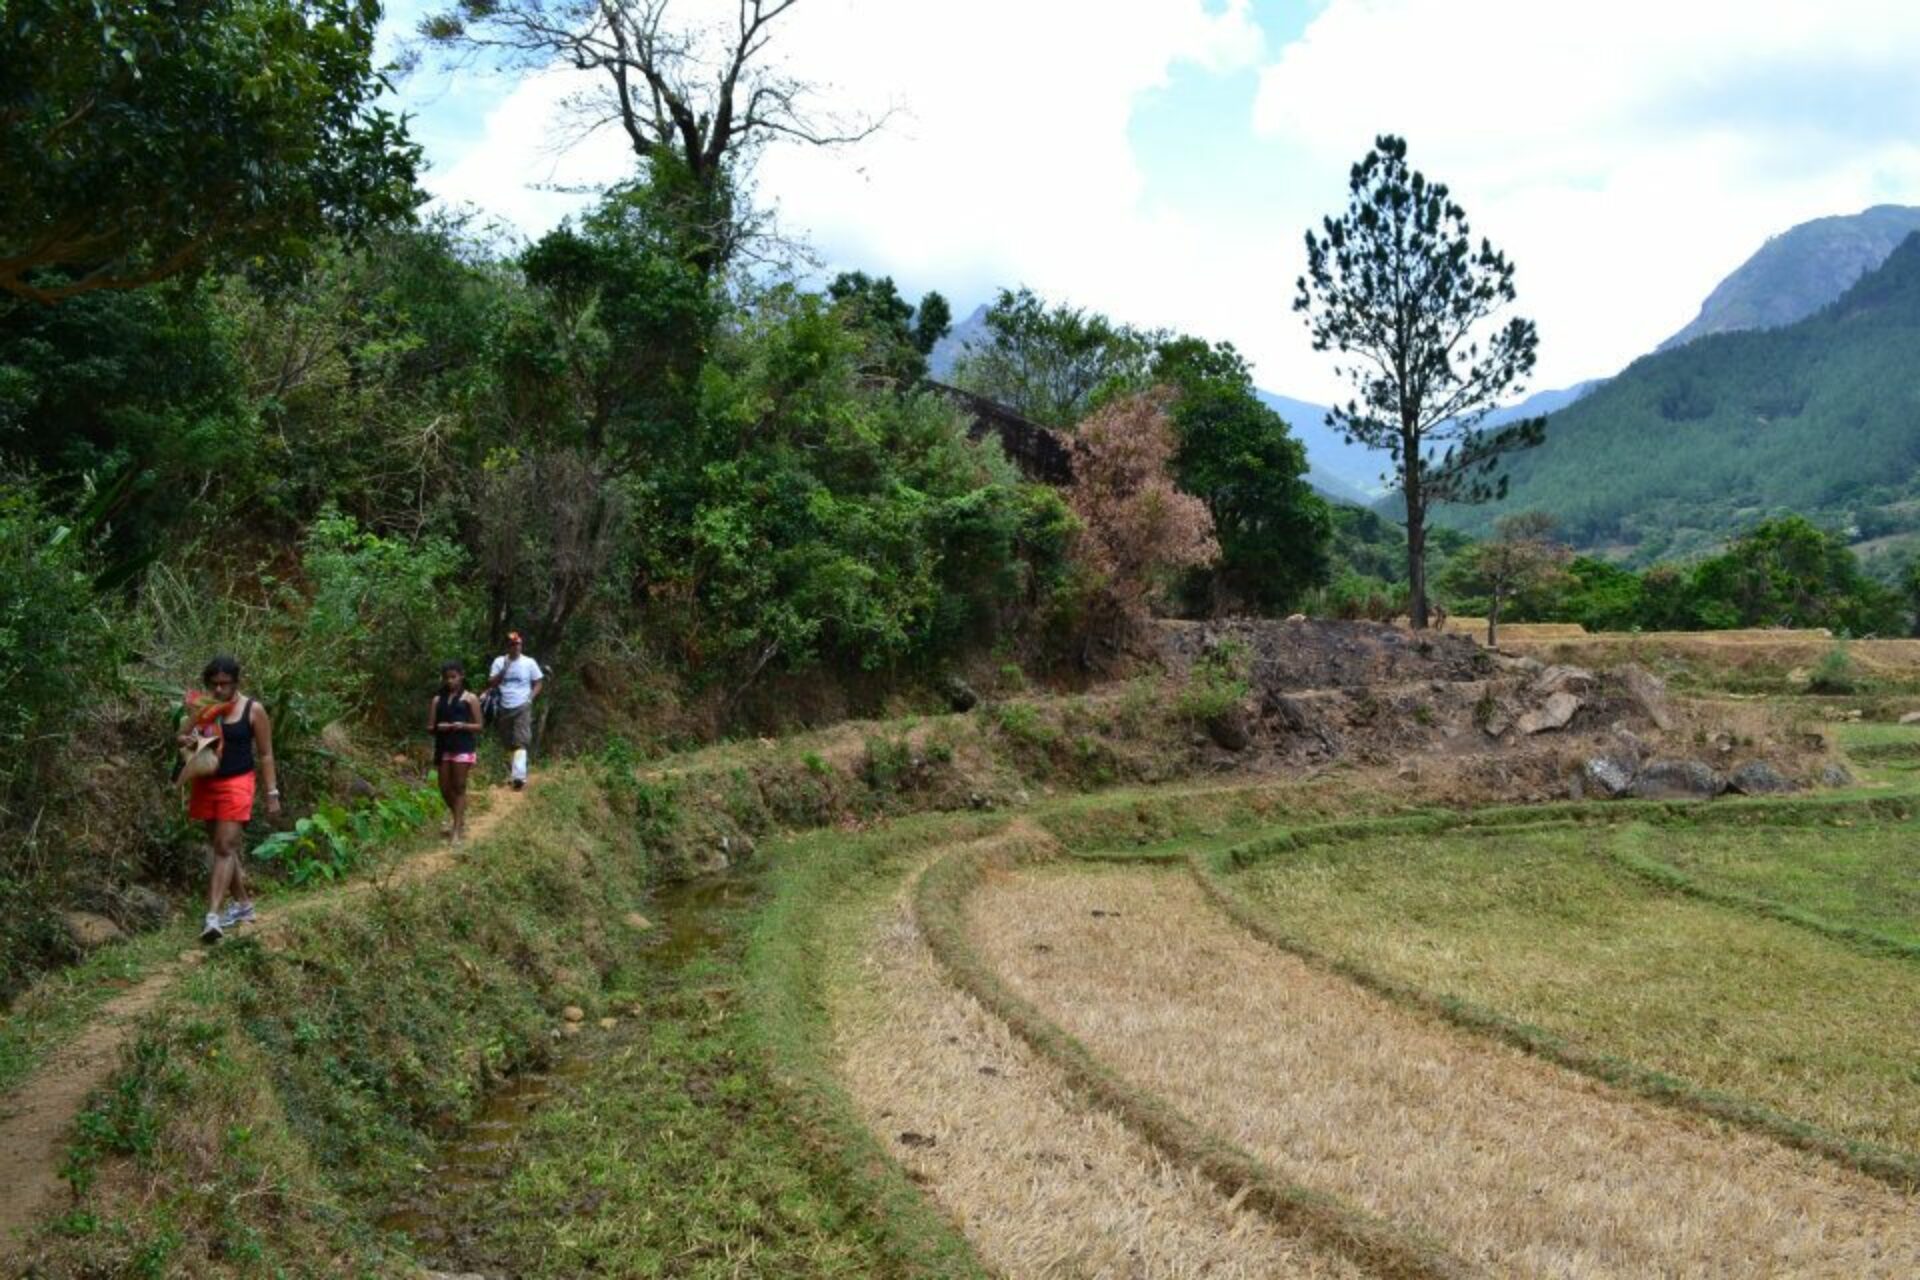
(522, 1168)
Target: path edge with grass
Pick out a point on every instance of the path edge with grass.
(1213, 870)
(785, 985)
(1385, 1249)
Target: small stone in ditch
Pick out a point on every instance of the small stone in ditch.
(637, 921)
(574, 1013)
(912, 1139)
(569, 1028)
(608, 1024)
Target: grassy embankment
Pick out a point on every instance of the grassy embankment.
(282, 1088)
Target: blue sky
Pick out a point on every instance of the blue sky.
(1160, 159)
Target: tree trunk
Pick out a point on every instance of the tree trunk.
(1416, 535)
(1493, 622)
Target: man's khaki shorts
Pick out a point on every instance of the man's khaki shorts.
(515, 726)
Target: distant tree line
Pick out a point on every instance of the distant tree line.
(1785, 572)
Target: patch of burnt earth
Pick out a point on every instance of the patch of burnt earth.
(1324, 654)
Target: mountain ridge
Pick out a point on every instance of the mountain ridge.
(1799, 271)
(1688, 446)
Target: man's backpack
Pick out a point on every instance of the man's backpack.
(489, 706)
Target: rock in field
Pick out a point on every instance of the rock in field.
(960, 695)
(574, 1013)
(142, 908)
(1836, 775)
(1611, 778)
(1561, 679)
(1647, 693)
(1758, 778)
(1912, 717)
(88, 931)
(1229, 729)
(1678, 779)
(1556, 714)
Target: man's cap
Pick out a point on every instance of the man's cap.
(513, 637)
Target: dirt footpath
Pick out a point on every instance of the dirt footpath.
(36, 1119)
(1515, 1164)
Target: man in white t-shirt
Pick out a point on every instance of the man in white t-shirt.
(518, 679)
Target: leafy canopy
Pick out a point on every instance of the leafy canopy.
(142, 140)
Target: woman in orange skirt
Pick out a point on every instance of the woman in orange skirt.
(224, 799)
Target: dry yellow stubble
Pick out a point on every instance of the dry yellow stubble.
(1523, 1167)
(1042, 1185)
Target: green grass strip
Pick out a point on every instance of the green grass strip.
(785, 985)
(1896, 1168)
(1755, 811)
(1672, 879)
(1383, 1248)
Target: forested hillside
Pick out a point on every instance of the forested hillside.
(1690, 446)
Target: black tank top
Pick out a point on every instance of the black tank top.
(452, 709)
(236, 756)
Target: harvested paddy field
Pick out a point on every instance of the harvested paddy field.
(1544, 927)
(1042, 1184)
(1864, 877)
(1514, 1164)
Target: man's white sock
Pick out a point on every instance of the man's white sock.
(520, 764)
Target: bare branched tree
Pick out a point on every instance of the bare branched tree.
(695, 103)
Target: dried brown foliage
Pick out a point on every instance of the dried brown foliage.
(1137, 530)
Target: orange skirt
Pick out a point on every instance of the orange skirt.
(221, 799)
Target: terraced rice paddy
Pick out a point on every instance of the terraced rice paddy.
(1547, 929)
(1191, 1033)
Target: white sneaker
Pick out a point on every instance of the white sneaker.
(236, 913)
(213, 932)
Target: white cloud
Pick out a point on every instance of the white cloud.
(1627, 157)
(1006, 158)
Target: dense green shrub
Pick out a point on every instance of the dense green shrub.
(388, 611)
(58, 649)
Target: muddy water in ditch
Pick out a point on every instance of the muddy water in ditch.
(689, 920)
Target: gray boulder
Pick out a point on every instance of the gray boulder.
(142, 908)
(960, 695)
(1678, 780)
(1606, 776)
(1556, 714)
(1836, 775)
(1758, 778)
(1562, 679)
(1647, 694)
(1229, 729)
(89, 932)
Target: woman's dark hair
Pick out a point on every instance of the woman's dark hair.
(454, 664)
(221, 665)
